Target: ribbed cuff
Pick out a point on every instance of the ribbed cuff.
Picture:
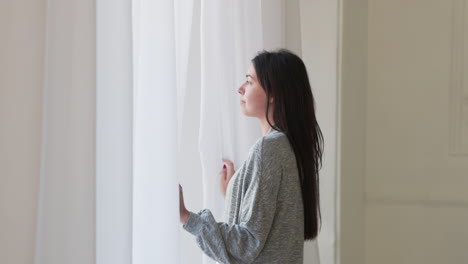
(193, 224)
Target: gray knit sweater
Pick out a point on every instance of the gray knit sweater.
(263, 210)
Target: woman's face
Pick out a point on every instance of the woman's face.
(253, 96)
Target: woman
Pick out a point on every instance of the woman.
(272, 200)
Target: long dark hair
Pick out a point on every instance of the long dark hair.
(283, 76)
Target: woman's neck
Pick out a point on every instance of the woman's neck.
(265, 126)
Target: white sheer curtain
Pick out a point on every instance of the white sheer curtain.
(114, 94)
(108, 189)
(155, 189)
(108, 185)
(230, 33)
(114, 131)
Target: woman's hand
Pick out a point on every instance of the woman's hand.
(226, 175)
(184, 213)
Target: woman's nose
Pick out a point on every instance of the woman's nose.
(240, 89)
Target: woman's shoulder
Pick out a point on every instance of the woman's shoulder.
(276, 141)
(274, 145)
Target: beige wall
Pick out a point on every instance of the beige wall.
(352, 130)
(416, 189)
(22, 27)
(404, 158)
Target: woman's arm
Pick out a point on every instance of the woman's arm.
(241, 243)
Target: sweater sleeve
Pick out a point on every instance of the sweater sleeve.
(241, 243)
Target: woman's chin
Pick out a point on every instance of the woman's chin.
(242, 110)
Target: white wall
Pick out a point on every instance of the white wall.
(319, 22)
(415, 184)
(404, 152)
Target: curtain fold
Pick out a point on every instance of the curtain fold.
(114, 132)
(65, 225)
(108, 186)
(155, 189)
(183, 28)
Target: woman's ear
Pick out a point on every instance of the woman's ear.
(271, 99)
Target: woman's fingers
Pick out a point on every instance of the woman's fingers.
(183, 212)
(181, 195)
(226, 174)
(229, 164)
(229, 170)
(230, 167)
